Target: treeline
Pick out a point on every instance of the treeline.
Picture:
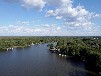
(13, 42)
(87, 49)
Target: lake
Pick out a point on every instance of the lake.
(36, 60)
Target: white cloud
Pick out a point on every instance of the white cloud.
(76, 19)
(59, 2)
(36, 4)
(58, 28)
(97, 15)
(72, 16)
(25, 22)
(45, 30)
(59, 17)
(21, 23)
(46, 25)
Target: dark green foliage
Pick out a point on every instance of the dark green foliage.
(9, 42)
(87, 49)
(50, 46)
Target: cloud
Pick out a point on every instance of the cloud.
(21, 23)
(97, 15)
(59, 17)
(19, 30)
(25, 22)
(72, 16)
(58, 28)
(28, 4)
(58, 3)
(75, 20)
(45, 29)
(36, 4)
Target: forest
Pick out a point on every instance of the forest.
(86, 49)
(21, 42)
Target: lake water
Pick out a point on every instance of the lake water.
(36, 60)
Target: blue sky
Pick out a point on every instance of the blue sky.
(50, 18)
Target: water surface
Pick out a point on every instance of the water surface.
(38, 61)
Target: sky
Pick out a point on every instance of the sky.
(50, 17)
